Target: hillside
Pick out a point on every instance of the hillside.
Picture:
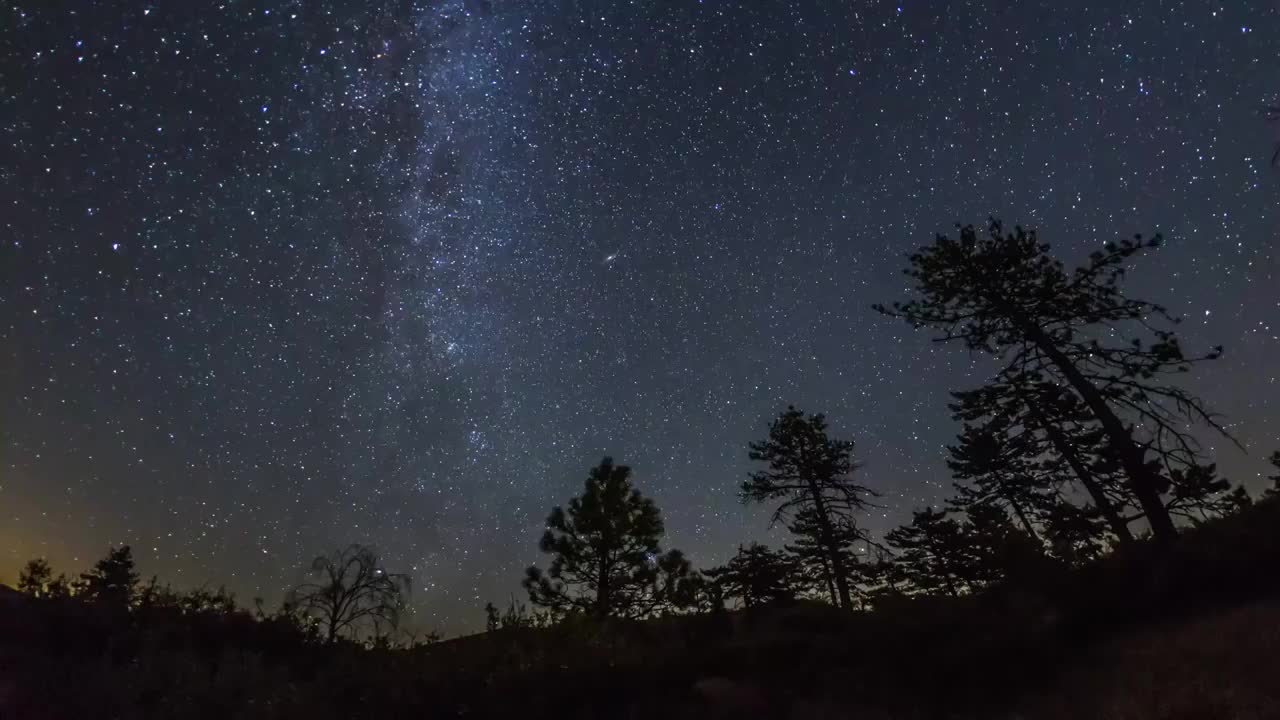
(1186, 631)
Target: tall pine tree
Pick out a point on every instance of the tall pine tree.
(1003, 294)
(810, 472)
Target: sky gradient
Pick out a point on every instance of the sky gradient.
(280, 276)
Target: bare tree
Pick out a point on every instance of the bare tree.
(353, 594)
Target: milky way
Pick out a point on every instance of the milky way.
(280, 276)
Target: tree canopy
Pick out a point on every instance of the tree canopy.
(1002, 293)
(606, 558)
(809, 474)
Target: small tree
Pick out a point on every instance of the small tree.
(810, 472)
(606, 560)
(933, 553)
(1197, 494)
(35, 577)
(756, 576)
(354, 596)
(113, 580)
(1076, 535)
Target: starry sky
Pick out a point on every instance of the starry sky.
(279, 276)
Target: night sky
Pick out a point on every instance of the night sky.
(280, 276)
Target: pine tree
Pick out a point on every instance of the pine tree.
(999, 550)
(813, 558)
(606, 560)
(812, 473)
(1075, 534)
(1197, 494)
(933, 553)
(1005, 295)
(113, 580)
(757, 576)
(1051, 438)
(998, 474)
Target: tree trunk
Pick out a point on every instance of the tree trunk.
(829, 577)
(1026, 522)
(833, 552)
(603, 591)
(1141, 481)
(1068, 453)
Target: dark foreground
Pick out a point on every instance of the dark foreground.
(1191, 631)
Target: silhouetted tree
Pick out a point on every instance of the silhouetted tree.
(675, 588)
(757, 576)
(492, 621)
(810, 472)
(517, 615)
(113, 580)
(709, 594)
(1003, 294)
(606, 560)
(813, 557)
(154, 595)
(933, 553)
(999, 550)
(1196, 493)
(883, 577)
(1075, 534)
(1053, 441)
(35, 577)
(999, 475)
(353, 595)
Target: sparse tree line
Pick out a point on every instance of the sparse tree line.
(352, 597)
(1080, 443)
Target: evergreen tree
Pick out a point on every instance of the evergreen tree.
(813, 558)
(606, 560)
(999, 550)
(1005, 295)
(999, 475)
(933, 553)
(35, 577)
(113, 580)
(811, 473)
(756, 576)
(1197, 494)
(1053, 441)
(1076, 535)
